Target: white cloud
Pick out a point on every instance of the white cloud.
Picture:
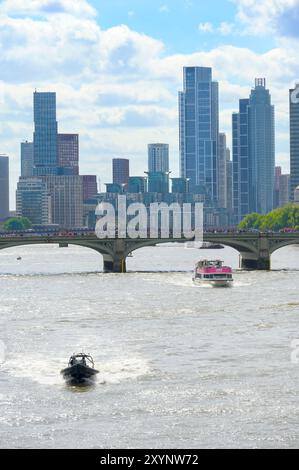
(47, 7)
(264, 16)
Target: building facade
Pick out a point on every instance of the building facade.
(27, 159)
(158, 158)
(4, 186)
(254, 153)
(90, 186)
(68, 154)
(66, 194)
(199, 131)
(121, 171)
(33, 201)
(45, 138)
(222, 172)
(294, 139)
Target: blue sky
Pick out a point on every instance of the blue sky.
(116, 67)
(176, 22)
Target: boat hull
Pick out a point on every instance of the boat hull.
(214, 283)
(79, 374)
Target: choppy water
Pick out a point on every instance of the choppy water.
(181, 365)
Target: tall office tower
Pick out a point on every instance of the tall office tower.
(222, 172)
(68, 154)
(66, 194)
(277, 180)
(229, 185)
(90, 186)
(294, 138)
(241, 165)
(284, 190)
(45, 134)
(27, 159)
(262, 147)
(199, 131)
(158, 158)
(121, 171)
(4, 186)
(32, 201)
(254, 153)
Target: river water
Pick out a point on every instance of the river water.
(181, 366)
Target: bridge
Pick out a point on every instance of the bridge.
(255, 248)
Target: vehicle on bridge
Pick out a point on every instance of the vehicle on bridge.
(212, 272)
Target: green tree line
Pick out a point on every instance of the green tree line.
(283, 217)
(17, 223)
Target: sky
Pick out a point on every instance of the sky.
(116, 66)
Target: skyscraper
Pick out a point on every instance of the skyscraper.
(121, 171)
(4, 186)
(222, 172)
(27, 159)
(45, 134)
(262, 147)
(199, 129)
(241, 165)
(68, 154)
(158, 158)
(254, 153)
(294, 138)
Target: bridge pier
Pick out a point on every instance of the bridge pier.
(259, 260)
(257, 264)
(116, 262)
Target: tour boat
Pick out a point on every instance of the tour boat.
(213, 272)
(80, 370)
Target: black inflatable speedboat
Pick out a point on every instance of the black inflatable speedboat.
(80, 370)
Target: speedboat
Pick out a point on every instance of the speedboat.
(212, 272)
(80, 370)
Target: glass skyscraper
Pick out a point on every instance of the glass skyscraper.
(45, 134)
(294, 138)
(199, 131)
(158, 158)
(27, 159)
(4, 186)
(254, 153)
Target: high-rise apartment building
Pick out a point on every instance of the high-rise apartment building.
(90, 186)
(121, 171)
(27, 159)
(158, 158)
(4, 186)
(222, 172)
(294, 139)
(199, 131)
(68, 154)
(254, 153)
(45, 134)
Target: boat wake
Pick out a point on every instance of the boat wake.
(46, 371)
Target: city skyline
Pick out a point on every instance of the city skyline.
(128, 96)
